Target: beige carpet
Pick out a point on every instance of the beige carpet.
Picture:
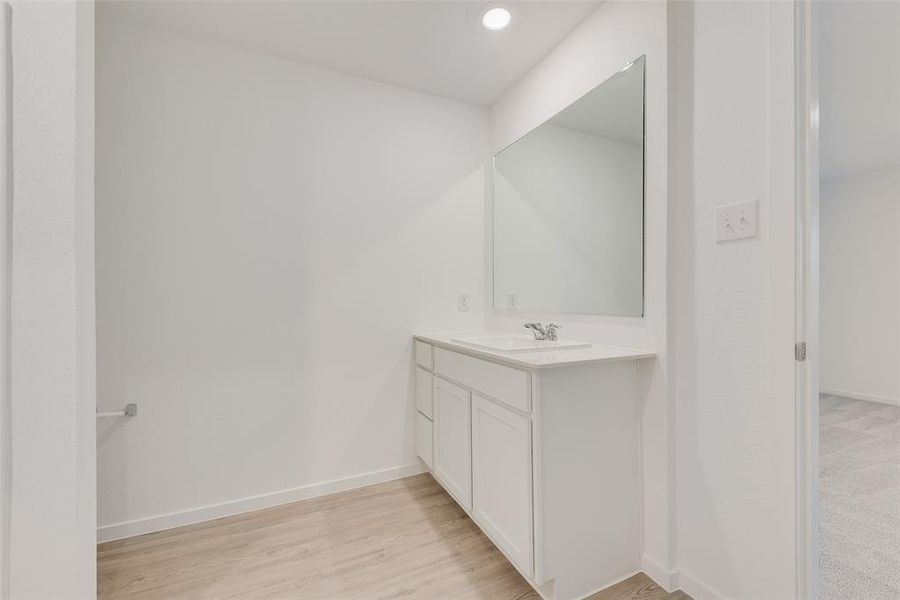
(859, 500)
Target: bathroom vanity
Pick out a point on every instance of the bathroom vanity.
(540, 445)
(538, 440)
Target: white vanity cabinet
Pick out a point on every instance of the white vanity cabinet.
(542, 451)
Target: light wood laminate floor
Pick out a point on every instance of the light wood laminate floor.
(402, 539)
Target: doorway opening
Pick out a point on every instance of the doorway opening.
(849, 304)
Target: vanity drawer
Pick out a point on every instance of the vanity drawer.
(424, 354)
(425, 439)
(502, 383)
(424, 398)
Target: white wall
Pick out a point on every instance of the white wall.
(616, 33)
(53, 535)
(567, 235)
(732, 308)
(859, 85)
(860, 285)
(269, 235)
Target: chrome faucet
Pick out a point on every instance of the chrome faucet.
(543, 333)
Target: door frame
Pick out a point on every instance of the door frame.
(6, 200)
(807, 296)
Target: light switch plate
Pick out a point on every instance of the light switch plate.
(512, 301)
(737, 221)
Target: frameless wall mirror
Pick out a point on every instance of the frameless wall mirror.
(569, 207)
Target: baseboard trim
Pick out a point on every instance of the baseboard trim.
(667, 580)
(676, 579)
(860, 396)
(127, 529)
(694, 588)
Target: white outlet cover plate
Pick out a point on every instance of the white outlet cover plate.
(737, 221)
(463, 302)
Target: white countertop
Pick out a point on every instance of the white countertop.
(537, 359)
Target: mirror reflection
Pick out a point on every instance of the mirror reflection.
(569, 207)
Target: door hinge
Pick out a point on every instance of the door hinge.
(800, 351)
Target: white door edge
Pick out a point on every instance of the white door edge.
(807, 298)
(6, 198)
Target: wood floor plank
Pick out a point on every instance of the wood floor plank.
(401, 539)
(637, 587)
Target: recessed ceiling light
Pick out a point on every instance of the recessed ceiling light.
(497, 18)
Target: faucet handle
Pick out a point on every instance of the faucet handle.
(537, 329)
(552, 328)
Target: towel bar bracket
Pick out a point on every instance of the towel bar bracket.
(130, 411)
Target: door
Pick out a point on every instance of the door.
(452, 441)
(501, 477)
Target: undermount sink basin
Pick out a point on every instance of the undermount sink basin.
(519, 343)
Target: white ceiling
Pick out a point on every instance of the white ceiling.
(432, 46)
(859, 86)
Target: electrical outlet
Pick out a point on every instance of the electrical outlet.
(512, 301)
(737, 221)
(462, 302)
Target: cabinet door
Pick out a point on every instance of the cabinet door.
(501, 475)
(452, 441)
